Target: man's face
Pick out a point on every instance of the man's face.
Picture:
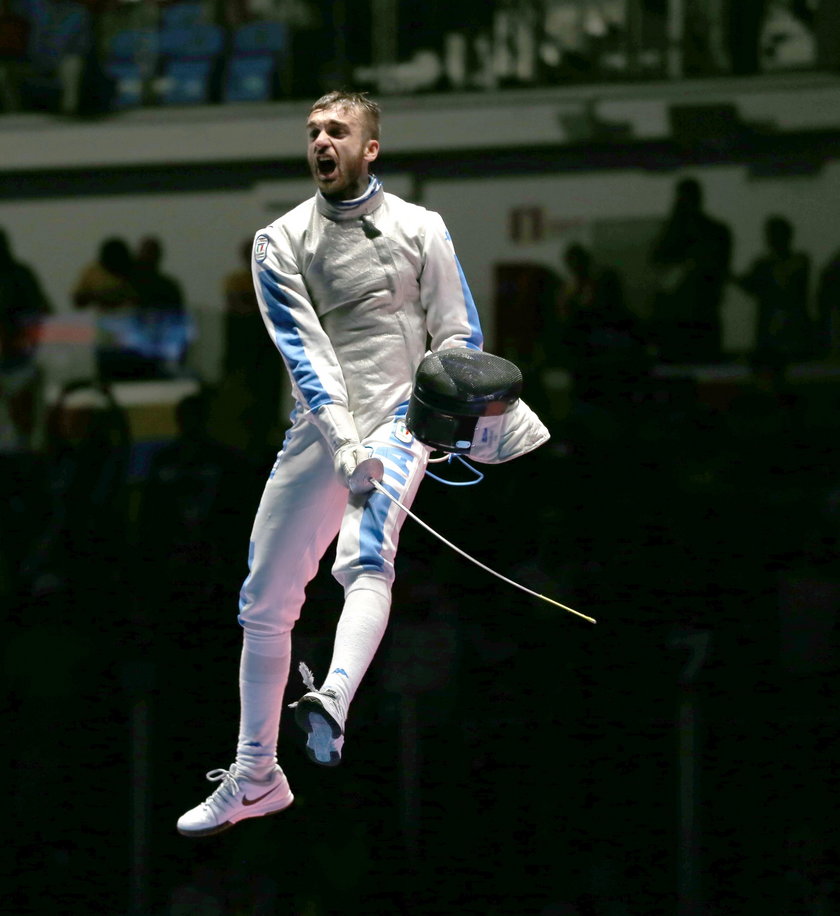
(339, 152)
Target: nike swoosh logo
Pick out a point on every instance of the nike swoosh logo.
(253, 801)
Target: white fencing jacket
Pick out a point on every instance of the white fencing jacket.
(355, 293)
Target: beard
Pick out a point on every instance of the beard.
(340, 179)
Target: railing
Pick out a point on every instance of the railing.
(125, 57)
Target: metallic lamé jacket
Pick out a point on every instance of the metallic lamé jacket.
(354, 294)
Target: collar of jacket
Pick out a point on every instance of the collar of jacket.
(352, 209)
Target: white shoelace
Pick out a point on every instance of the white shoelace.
(309, 683)
(308, 680)
(226, 792)
(308, 676)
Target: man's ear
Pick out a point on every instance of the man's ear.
(371, 150)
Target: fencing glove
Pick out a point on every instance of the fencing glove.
(354, 463)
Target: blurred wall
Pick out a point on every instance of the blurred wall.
(516, 177)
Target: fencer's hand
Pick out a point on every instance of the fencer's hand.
(354, 462)
(356, 466)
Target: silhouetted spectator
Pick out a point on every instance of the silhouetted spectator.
(162, 329)
(155, 289)
(81, 550)
(600, 338)
(106, 282)
(692, 255)
(192, 512)
(253, 372)
(15, 29)
(589, 287)
(244, 328)
(23, 306)
(778, 281)
(828, 307)
(106, 286)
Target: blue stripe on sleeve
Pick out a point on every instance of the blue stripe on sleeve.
(476, 338)
(288, 340)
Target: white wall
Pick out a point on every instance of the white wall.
(202, 231)
(201, 235)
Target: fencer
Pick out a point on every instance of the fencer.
(354, 285)
(358, 289)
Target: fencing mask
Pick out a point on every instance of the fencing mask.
(467, 402)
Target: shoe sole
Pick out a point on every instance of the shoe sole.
(323, 733)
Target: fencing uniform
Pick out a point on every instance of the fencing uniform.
(353, 294)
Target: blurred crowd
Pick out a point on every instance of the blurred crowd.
(588, 322)
(504, 758)
(92, 57)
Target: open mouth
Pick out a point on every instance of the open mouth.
(325, 166)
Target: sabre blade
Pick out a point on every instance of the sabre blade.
(378, 486)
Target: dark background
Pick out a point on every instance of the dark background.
(503, 757)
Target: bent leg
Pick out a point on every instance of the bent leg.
(298, 517)
(367, 547)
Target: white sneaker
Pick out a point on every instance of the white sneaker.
(321, 714)
(236, 799)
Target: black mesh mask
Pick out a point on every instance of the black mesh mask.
(452, 389)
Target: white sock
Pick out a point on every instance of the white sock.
(360, 629)
(263, 674)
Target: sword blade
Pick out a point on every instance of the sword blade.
(381, 489)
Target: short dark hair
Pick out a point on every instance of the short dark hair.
(358, 102)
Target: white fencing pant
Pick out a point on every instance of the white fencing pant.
(303, 507)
